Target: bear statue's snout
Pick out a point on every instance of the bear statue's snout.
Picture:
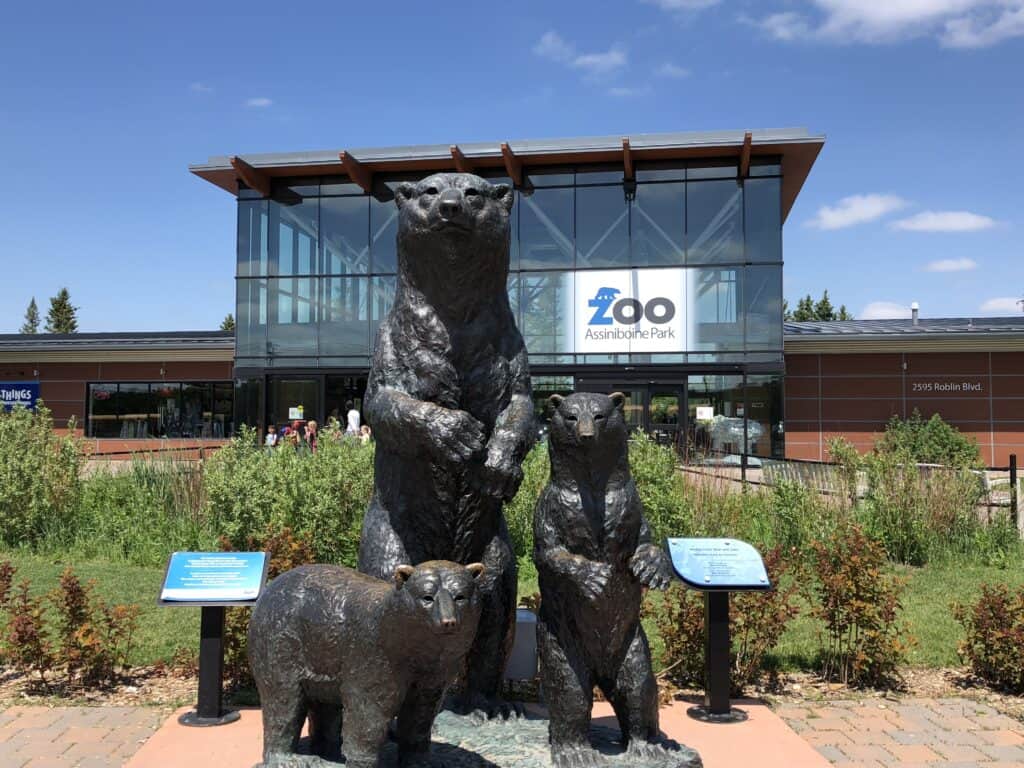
(587, 428)
(450, 203)
(447, 619)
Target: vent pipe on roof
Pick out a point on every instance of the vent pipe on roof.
(915, 310)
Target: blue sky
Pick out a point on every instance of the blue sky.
(916, 196)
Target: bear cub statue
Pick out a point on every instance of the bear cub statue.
(594, 557)
(353, 652)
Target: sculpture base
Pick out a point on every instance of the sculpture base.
(459, 742)
(707, 716)
(192, 718)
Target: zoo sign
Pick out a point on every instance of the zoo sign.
(14, 393)
(630, 310)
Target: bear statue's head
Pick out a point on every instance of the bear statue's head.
(588, 424)
(443, 594)
(454, 228)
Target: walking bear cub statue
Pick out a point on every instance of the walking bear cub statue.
(352, 652)
(594, 557)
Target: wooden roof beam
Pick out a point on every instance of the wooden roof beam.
(627, 159)
(513, 165)
(748, 140)
(253, 178)
(462, 163)
(356, 171)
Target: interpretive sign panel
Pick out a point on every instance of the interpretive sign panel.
(726, 565)
(214, 578)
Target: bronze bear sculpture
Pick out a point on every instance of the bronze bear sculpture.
(449, 402)
(352, 652)
(595, 556)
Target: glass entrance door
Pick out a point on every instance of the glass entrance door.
(666, 414)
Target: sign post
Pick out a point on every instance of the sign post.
(717, 567)
(212, 581)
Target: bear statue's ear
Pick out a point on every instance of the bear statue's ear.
(404, 192)
(476, 570)
(402, 574)
(555, 401)
(618, 399)
(503, 194)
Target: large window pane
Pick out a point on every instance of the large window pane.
(658, 224)
(252, 237)
(249, 402)
(764, 426)
(293, 237)
(170, 414)
(103, 410)
(546, 301)
(286, 398)
(763, 221)
(384, 235)
(762, 297)
(344, 232)
(138, 411)
(602, 227)
(223, 409)
(715, 407)
(251, 318)
(345, 321)
(382, 296)
(196, 409)
(293, 316)
(546, 229)
(715, 319)
(714, 222)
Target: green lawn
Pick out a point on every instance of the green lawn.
(930, 591)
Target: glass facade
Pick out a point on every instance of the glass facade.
(689, 247)
(133, 410)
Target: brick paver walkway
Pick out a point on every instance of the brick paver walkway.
(938, 733)
(74, 737)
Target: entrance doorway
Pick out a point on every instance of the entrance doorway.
(659, 409)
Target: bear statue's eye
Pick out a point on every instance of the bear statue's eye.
(460, 598)
(428, 599)
(430, 191)
(472, 192)
(598, 416)
(570, 417)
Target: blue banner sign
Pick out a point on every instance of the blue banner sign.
(214, 577)
(14, 393)
(725, 565)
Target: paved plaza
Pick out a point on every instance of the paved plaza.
(937, 733)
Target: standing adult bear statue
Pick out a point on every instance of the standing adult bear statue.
(449, 402)
(594, 556)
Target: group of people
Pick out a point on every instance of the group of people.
(305, 436)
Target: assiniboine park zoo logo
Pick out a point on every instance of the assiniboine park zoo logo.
(630, 310)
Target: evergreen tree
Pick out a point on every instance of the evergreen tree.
(228, 323)
(843, 314)
(62, 317)
(809, 310)
(823, 310)
(804, 311)
(31, 324)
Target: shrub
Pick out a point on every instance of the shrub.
(6, 580)
(757, 621)
(859, 604)
(27, 647)
(995, 636)
(849, 464)
(929, 442)
(660, 485)
(322, 496)
(519, 511)
(39, 472)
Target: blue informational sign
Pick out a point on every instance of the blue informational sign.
(214, 578)
(725, 565)
(14, 393)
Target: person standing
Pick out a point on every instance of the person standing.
(311, 436)
(353, 420)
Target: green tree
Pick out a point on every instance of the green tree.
(62, 317)
(809, 310)
(823, 309)
(228, 323)
(31, 324)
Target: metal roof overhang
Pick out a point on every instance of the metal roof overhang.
(796, 146)
(911, 343)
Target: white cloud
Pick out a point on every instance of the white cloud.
(955, 23)
(553, 46)
(1004, 304)
(855, 209)
(884, 310)
(601, 63)
(952, 265)
(682, 5)
(673, 71)
(258, 101)
(200, 88)
(944, 221)
(625, 92)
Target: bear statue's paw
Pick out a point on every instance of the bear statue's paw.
(576, 756)
(481, 709)
(295, 761)
(663, 751)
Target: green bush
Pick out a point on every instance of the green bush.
(519, 511)
(929, 442)
(660, 485)
(39, 475)
(995, 636)
(250, 489)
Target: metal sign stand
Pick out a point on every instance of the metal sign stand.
(209, 705)
(717, 644)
